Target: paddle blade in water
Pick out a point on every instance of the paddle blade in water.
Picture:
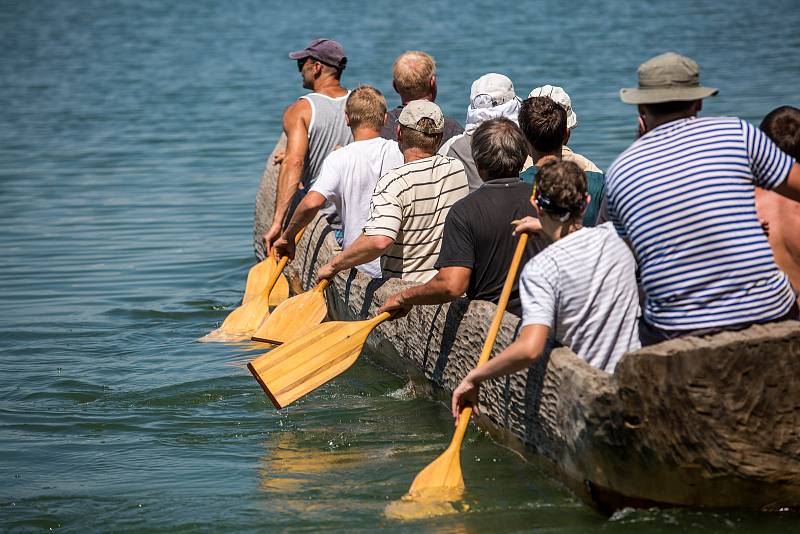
(258, 278)
(302, 365)
(241, 322)
(441, 479)
(294, 317)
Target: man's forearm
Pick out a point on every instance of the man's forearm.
(304, 213)
(516, 357)
(436, 291)
(288, 181)
(363, 250)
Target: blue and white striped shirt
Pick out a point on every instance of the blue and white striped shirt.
(684, 196)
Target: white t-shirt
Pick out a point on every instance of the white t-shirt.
(584, 288)
(348, 177)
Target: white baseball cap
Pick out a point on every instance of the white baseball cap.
(560, 97)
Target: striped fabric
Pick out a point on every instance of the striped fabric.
(410, 205)
(684, 196)
(583, 287)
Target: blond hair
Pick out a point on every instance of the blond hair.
(365, 108)
(412, 72)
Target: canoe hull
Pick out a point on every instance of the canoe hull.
(712, 422)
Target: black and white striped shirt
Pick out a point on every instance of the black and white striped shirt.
(410, 205)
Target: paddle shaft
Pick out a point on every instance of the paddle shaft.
(466, 413)
(281, 264)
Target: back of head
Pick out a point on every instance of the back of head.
(499, 149)
(782, 125)
(561, 190)
(412, 72)
(426, 142)
(365, 108)
(544, 123)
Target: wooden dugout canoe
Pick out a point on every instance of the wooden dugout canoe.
(711, 422)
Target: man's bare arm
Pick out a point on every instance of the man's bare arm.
(304, 214)
(363, 250)
(790, 188)
(296, 120)
(448, 284)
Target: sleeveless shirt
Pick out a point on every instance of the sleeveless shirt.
(327, 129)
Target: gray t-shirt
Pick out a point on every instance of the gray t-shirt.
(461, 149)
(584, 288)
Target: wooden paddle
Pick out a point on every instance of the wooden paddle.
(294, 317)
(303, 364)
(258, 278)
(243, 321)
(443, 475)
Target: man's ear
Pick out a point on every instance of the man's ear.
(347, 119)
(433, 87)
(385, 118)
(398, 135)
(394, 86)
(586, 203)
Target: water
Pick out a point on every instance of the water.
(133, 136)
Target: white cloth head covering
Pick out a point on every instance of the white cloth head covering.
(559, 96)
(492, 96)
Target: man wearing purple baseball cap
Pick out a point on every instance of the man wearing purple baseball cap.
(314, 125)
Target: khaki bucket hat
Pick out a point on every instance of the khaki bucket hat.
(669, 77)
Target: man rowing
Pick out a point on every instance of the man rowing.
(414, 78)
(581, 290)
(409, 204)
(314, 125)
(544, 123)
(349, 174)
(477, 246)
(683, 196)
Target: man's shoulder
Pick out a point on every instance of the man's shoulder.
(682, 130)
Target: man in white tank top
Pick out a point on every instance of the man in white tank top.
(314, 125)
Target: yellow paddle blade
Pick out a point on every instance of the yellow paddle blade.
(302, 365)
(241, 322)
(442, 477)
(258, 278)
(294, 317)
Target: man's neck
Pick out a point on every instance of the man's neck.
(540, 158)
(413, 154)
(329, 87)
(405, 100)
(364, 134)
(652, 122)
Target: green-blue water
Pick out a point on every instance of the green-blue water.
(132, 138)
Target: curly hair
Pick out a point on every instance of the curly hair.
(564, 185)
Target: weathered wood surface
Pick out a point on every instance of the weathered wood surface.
(709, 422)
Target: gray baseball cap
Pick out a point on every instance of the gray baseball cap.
(327, 51)
(422, 109)
(667, 78)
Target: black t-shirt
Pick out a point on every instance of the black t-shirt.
(389, 131)
(477, 235)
